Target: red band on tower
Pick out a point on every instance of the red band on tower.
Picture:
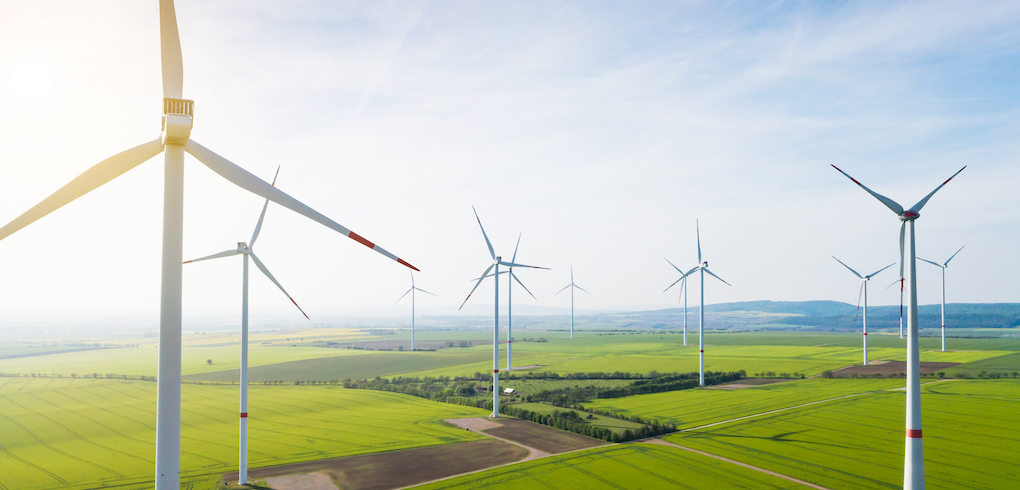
(244, 415)
(914, 434)
(495, 371)
(702, 350)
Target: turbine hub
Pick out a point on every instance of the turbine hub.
(177, 119)
(242, 246)
(909, 215)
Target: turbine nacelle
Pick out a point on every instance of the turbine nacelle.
(909, 215)
(242, 247)
(178, 116)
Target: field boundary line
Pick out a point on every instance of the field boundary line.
(738, 463)
(769, 412)
(533, 454)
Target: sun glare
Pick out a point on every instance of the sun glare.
(32, 79)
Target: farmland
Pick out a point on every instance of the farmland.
(620, 466)
(970, 437)
(83, 433)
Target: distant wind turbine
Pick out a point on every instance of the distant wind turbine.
(913, 458)
(864, 290)
(943, 266)
(412, 290)
(496, 262)
(509, 307)
(175, 140)
(245, 249)
(683, 291)
(703, 267)
(571, 286)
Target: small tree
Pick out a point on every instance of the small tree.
(208, 361)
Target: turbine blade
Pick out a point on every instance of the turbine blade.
(522, 285)
(860, 293)
(262, 267)
(930, 262)
(226, 253)
(511, 264)
(262, 217)
(692, 270)
(848, 267)
(402, 295)
(697, 225)
(564, 288)
(579, 287)
(480, 279)
(424, 291)
(920, 204)
(487, 242)
(674, 284)
(514, 258)
(488, 275)
(717, 277)
(889, 203)
(954, 255)
(903, 231)
(245, 180)
(882, 269)
(88, 181)
(170, 51)
(893, 284)
(680, 295)
(674, 266)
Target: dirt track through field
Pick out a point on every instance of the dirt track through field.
(738, 463)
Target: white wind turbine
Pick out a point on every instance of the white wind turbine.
(864, 290)
(496, 262)
(245, 249)
(412, 290)
(510, 306)
(913, 457)
(572, 286)
(943, 266)
(683, 291)
(174, 141)
(703, 267)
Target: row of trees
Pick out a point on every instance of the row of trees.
(568, 396)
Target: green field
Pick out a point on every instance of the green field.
(616, 424)
(630, 466)
(691, 408)
(970, 438)
(87, 433)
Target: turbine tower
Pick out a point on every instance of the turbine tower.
(703, 268)
(174, 141)
(864, 290)
(943, 266)
(572, 286)
(412, 290)
(913, 458)
(683, 291)
(900, 281)
(245, 249)
(496, 262)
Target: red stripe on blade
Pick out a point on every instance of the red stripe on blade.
(914, 434)
(360, 239)
(401, 262)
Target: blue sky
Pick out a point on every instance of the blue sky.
(599, 130)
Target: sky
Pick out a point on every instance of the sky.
(601, 132)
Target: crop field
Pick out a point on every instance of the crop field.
(86, 433)
(970, 438)
(691, 408)
(1003, 365)
(616, 424)
(630, 466)
(366, 364)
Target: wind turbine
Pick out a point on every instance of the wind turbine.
(509, 307)
(703, 268)
(943, 266)
(683, 291)
(174, 141)
(496, 262)
(245, 249)
(900, 281)
(864, 290)
(572, 286)
(412, 290)
(913, 458)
